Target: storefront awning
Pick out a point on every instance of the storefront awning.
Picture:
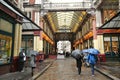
(27, 23)
(29, 26)
(113, 23)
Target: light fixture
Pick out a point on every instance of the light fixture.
(43, 11)
(92, 9)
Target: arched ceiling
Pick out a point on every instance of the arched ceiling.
(67, 21)
(62, 18)
(66, 16)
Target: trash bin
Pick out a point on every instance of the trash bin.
(102, 57)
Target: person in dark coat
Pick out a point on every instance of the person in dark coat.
(22, 59)
(79, 61)
(119, 54)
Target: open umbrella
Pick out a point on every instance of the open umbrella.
(76, 52)
(85, 51)
(93, 51)
(33, 53)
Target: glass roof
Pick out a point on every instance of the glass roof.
(64, 19)
(67, 21)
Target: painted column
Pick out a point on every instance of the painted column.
(88, 43)
(95, 20)
(100, 44)
(96, 23)
(94, 29)
(94, 33)
(38, 43)
(98, 39)
(98, 18)
(119, 5)
(41, 37)
(17, 39)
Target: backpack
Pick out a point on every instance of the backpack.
(96, 58)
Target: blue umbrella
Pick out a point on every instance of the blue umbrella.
(93, 51)
(85, 51)
(76, 52)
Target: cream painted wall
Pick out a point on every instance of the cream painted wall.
(38, 44)
(37, 19)
(17, 39)
(98, 18)
(98, 43)
(119, 4)
(27, 33)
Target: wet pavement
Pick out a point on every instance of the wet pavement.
(27, 74)
(65, 69)
(111, 69)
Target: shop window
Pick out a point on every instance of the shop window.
(5, 26)
(5, 48)
(115, 45)
(27, 43)
(111, 46)
(107, 44)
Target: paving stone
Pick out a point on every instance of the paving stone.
(66, 70)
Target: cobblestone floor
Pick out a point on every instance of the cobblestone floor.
(112, 68)
(40, 67)
(66, 70)
(26, 75)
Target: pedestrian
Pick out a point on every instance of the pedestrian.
(92, 61)
(22, 59)
(79, 61)
(119, 54)
(32, 61)
(85, 57)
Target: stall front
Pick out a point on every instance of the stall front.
(111, 37)
(11, 20)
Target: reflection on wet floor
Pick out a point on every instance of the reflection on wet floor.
(112, 68)
(66, 70)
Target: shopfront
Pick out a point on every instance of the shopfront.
(11, 20)
(111, 44)
(6, 39)
(27, 43)
(7, 34)
(111, 37)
